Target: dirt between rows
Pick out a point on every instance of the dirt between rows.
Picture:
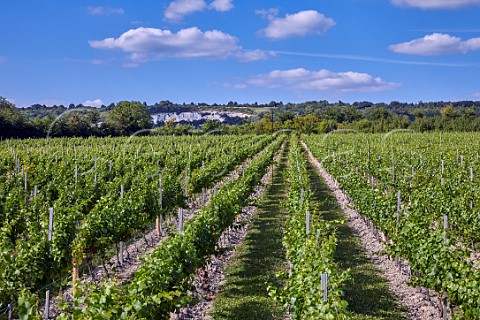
(420, 302)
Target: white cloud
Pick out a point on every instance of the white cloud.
(146, 44)
(88, 61)
(93, 103)
(436, 44)
(97, 61)
(301, 79)
(221, 5)
(177, 9)
(296, 25)
(436, 4)
(372, 59)
(253, 55)
(104, 11)
(269, 14)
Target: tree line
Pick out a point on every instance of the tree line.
(128, 117)
(124, 119)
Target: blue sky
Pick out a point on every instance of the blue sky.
(215, 51)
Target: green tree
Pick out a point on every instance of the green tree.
(306, 124)
(169, 124)
(12, 121)
(286, 116)
(93, 117)
(129, 117)
(419, 113)
(468, 113)
(77, 125)
(379, 114)
(326, 126)
(182, 129)
(449, 112)
(342, 114)
(210, 125)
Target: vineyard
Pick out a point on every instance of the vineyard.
(420, 191)
(69, 206)
(101, 192)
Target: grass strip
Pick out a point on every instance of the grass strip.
(244, 294)
(367, 295)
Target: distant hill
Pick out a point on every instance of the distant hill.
(197, 118)
(229, 114)
(173, 118)
(234, 113)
